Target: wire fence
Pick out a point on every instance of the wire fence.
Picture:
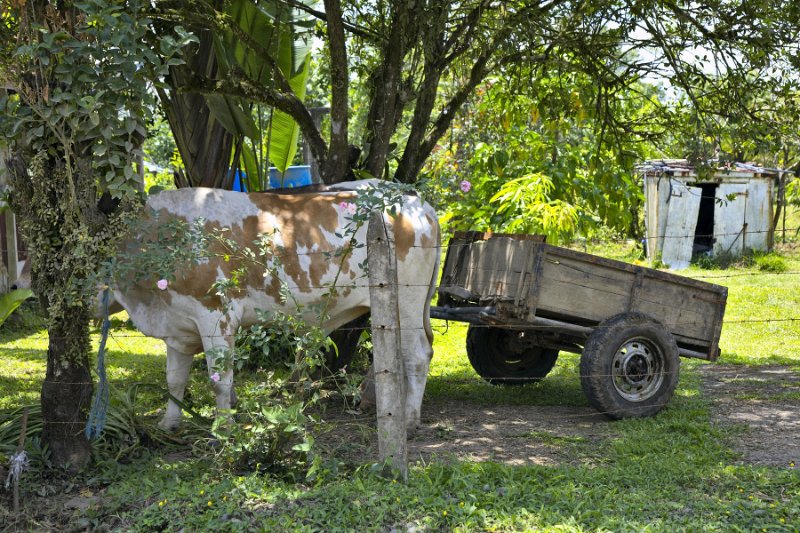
(561, 375)
(578, 242)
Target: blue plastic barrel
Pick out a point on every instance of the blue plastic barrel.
(296, 176)
(239, 182)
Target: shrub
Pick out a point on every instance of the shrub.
(770, 262)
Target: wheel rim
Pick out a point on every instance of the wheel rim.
(638, 369)
(510, 357)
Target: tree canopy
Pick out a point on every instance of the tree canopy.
(419, 61)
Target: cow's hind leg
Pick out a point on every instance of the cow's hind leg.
(417, 353)
(416, 336)
(178, 366)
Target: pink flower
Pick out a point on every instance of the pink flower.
(162, 284)
(465, 186)
(349, 208)
(215, 377)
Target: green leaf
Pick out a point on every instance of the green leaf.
(251, 168)
(280, 31)
(9, 302)
(229, 113)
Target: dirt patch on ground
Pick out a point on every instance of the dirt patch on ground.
(510, 434)
(765, 400)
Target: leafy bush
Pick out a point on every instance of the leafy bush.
(272, 431)
(264, 345)
(770, 262)
(766, 261)
(535, 164)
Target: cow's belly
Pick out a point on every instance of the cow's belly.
(184, 321)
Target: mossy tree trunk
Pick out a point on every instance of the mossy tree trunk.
(69, 236)
(67, 390)
(79, 76)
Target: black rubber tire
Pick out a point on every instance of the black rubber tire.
(500, 358)
(630, 366)
(346, 339)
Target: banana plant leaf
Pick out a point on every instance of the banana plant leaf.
(285, 34)
(294, 59)
(228, 111)
(253, 171)
(11, 300)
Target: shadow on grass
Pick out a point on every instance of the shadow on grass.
(10, 355)
(17, 391)
(665, 473)
(561, 387)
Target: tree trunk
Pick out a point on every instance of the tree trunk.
(336, 166)
(54, 230)
(386, 83)
(67, 391)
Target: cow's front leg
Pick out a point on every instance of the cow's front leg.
(219, 356)
(178, 366)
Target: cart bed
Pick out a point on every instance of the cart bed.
(531, 283)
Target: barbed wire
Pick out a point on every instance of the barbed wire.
(450, 379)
(573, 416)
(449, 324)
(445, 377)
(333, 251)
(301, 289)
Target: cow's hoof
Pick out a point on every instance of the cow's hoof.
(412, 425)
(169, 425)
(367, 392)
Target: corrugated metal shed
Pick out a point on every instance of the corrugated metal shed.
(724, 209)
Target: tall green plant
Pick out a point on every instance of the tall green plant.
(283, 36)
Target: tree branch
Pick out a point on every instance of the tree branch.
(238, 85)
(364, 33)
(386, 83)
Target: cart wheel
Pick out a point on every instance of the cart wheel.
(629, 366)
(503, 357)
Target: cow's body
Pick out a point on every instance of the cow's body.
(304, 230)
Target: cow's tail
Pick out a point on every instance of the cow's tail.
(426, 318)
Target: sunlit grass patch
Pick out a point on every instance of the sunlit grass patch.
(675, 471)
(22, 366)
(452, 377)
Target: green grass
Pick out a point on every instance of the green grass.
(675, 471)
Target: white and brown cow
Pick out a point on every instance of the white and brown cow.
(306, 231)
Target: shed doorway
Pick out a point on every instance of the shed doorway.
(704, 231)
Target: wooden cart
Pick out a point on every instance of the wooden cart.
(526, 300)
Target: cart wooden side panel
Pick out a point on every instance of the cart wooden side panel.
(528, 280)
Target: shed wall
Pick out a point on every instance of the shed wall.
(742, 214)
